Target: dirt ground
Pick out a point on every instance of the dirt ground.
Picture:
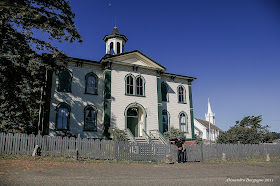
(31, 172)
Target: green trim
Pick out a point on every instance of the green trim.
(144, 83)
(167, 89)
(96, 83)
(186, 120)
(143, 110)
(184, 94)
(63, 104)
(95, 122)
(125, 80)
(135, 95)
(191, 108)
(168, 115)
(135, 85)
(107, 104)
(160, 127)
(70, 81)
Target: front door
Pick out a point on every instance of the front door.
(132, 121)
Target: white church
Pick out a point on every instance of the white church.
(207, 129)
(127, 90)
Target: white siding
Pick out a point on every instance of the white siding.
(78, 100)
(120, 101)
(173, 106)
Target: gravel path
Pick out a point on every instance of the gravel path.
(28, 172)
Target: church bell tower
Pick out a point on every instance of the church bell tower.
(210, 116)
(115, 42)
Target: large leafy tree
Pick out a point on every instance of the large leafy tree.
(247, 131)
(28, 28)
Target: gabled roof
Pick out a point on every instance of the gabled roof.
(206, 124)
(124, 58)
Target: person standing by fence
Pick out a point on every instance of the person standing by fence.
(179, 143)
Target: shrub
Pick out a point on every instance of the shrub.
(118, 134)
(173, 134)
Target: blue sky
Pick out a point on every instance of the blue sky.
(232, 47)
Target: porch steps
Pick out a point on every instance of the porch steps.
(140, 140)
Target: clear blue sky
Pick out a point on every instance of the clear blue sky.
(231, 46)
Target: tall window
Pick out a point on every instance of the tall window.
(165, 120)
(118, 48)
(62, 116)
(135, 86)
(91, 83)
(65, 81)
(164, 90)
(90, 115)
(111, 48)
(129, 85)
(181, 94)
(183, 124)
(139, 86)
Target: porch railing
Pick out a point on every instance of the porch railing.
(130, 136)
(158, 135)
(147, 137)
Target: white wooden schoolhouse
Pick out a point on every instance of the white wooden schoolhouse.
(127, 90)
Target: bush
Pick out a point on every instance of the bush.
(118, 134)
(198, 139)
(173, 134)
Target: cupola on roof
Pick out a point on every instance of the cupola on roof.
(115, 34)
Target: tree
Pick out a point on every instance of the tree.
(247, 131)
(173, 134)
(23, 65)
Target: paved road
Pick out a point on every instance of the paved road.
(27, 172)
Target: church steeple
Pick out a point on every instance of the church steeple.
(210, 116)
(115, 42)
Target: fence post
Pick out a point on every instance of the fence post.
(76, 156)
(224, 159)
(201, 151)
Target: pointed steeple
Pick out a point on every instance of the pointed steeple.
(209, 108)
(210, 116)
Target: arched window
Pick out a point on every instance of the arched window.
(140, 86)
(118, 48)
(165, 120)
(65, 81)
(90, 118)
(129, 85)
(181, 94)
(62, 116)
(122, 48)
(183, 120)
(111, 48)
(91, 83)
(164, 91)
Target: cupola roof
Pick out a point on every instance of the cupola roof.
(115, 33)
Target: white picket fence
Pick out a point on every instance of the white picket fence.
(112, 150)
(87, 148)
(232, 151)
